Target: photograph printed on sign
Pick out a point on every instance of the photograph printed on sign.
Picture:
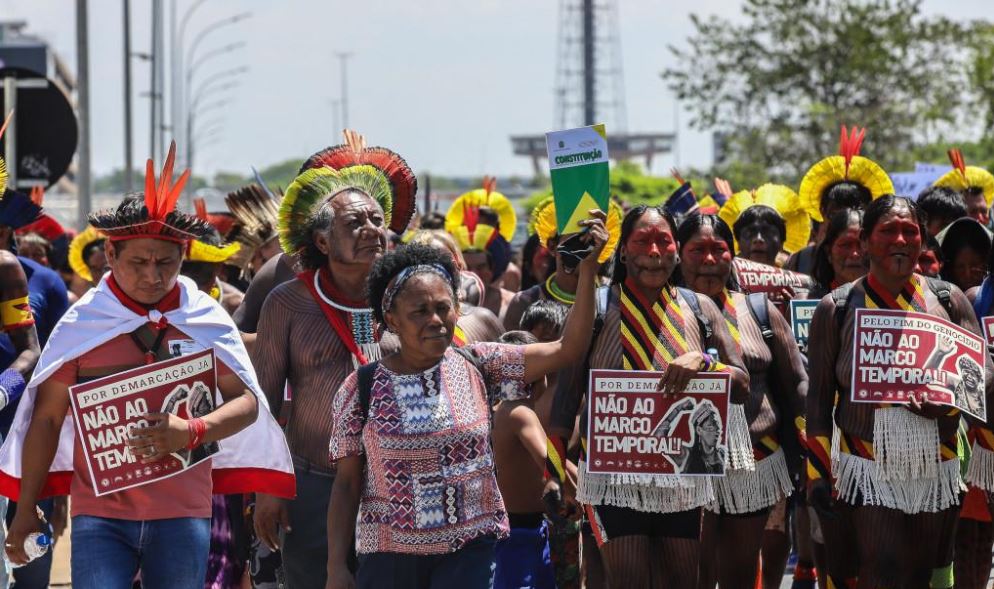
(633, 429)
(896, 353)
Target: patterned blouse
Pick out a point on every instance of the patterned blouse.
(430, 486)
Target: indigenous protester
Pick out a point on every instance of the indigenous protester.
(18, 355)
(316, 329)
(131, 319)
(844, 181)
(766, 222)
(204, 265)
(475, 324)
(839, 258)
(974, 184)
(483, 223)
(648, 526)
(255, 210)
(560, 285)
(966, 245)
(87, 260)
(536, 262)
(942, 205)
(35, 247)
(897, 466)
(757, 477)
(930, 261)
(523, 559)
(48, 229)
(428, 400)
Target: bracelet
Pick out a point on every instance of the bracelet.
(555, 459)
(197, 428)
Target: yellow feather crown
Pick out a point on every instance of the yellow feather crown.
(971, 177)
(781, 199)
(543, 222)
(204, 252)
(482, 197)
(76, 247)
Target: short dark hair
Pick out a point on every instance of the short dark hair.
(311, 257)
(690, 227)
(823, 272)
(883, 205)
(627, 227)
(759, 214)
(91, 248)
(544, 311)
(518, 338)
(390, 265)
(532, 244)
(846, 194)
(941, 202)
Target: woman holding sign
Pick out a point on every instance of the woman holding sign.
(648, 525)
(898, 467)
(758, 476)
(410, 435)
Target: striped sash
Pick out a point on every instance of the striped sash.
(652, 333)
(911, 297)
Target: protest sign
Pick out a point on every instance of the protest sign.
(632, 429)
(756, 277)
(107, 409)
(801, 313)
(578, 167)
(900, 352)
(989, 331)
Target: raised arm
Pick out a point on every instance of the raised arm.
(546, 358)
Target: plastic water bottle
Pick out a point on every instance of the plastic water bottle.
(35, 546)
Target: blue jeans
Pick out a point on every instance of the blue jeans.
(107, 553)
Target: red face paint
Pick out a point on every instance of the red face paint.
(651, 241)
(707, 262)
(895, 243)
(928, 264)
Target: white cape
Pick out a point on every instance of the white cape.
(256, 459)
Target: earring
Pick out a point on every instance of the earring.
(676, 260)
(622, 258)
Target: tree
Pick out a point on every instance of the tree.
(780, 84)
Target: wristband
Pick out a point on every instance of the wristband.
(555, 459)
(819, 458)
(11, 386)
(197, 428)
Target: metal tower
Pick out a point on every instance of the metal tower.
(590, 82)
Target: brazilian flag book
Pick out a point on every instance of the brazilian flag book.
(578, 166)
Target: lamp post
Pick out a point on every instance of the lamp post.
(190, 120)
(176, 61)
(216, 79)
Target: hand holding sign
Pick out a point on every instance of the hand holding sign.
(165, 435)
(679, 372)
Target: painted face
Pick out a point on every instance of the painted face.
(968, 268)
(541, 260)
(358, 233)
(424, 315)
(976, 206)
(479, 264)
(928, 263)
(707, 262)
(895, 242)
(760, 242)
(650, 251)
(847, 257)
(145, 269)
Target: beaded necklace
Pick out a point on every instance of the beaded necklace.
(553, 289)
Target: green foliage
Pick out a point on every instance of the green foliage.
(780, 84)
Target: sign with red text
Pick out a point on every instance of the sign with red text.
(106, 410)
(633, 429)
(896, 353)
(989, 331)
(781, 285)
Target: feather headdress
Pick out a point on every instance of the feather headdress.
(17, 210)
(399, 202)
(781, 199)
(963, 177)
(77, 247)
(256, 214)
(848, 166)
(153, 214)
(464, 221)
(209, 248)
(543, 223)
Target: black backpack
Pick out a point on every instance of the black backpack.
(842, 297)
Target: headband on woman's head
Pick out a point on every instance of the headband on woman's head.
(406, 274)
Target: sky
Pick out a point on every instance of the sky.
(442, 82)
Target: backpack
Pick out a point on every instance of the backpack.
(761, 312)
(843, 295)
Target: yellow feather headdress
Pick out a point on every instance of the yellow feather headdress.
(963, 177)
(543, 223)
(848, 166)
(76, 248)
(781, 199)
(464, 211)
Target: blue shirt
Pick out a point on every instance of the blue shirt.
(49, 301)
